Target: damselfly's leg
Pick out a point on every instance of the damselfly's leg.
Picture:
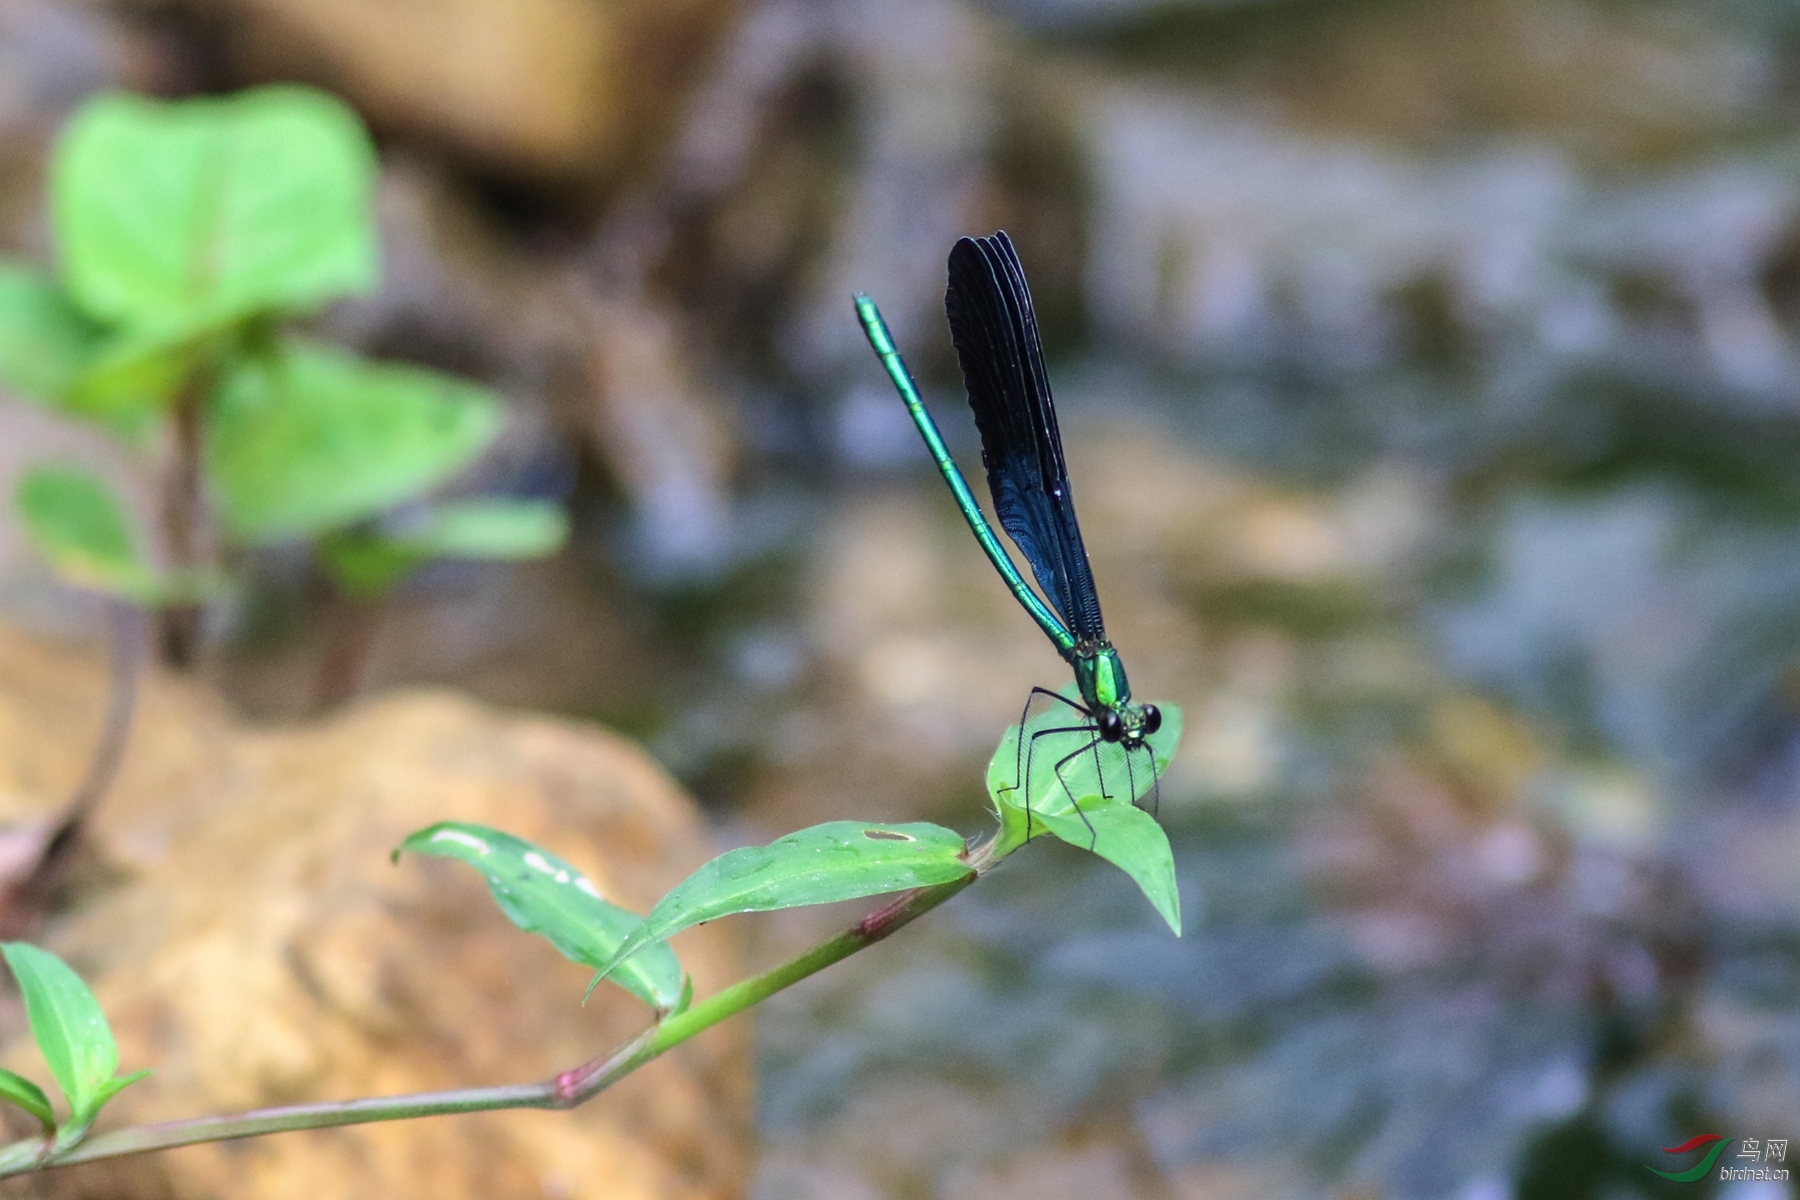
(1155, 784)
(1100, 771)
(1058, 768)
(1020, 774)
(1154, 791)
(1093, 834)
(1022, 763)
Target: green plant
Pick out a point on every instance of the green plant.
(540, 893)
(188, 235)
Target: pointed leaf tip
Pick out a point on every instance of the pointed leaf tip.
(542, 894)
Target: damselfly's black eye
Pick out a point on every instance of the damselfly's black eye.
(1112, 729)
(1152, 719)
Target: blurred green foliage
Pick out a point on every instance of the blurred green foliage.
(187, 234)
(79, 526)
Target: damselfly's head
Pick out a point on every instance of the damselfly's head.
(1129, 724)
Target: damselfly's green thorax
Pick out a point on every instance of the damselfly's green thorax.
(1101, 677)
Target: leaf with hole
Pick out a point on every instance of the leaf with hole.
(840, 860)
(1116, 830)
(302, 441)
(172, 218)
(540, 893)
(70, 1030)
(76, 522)
(370, 562)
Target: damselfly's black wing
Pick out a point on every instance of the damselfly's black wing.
(996, 336)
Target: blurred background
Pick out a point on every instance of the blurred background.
(1430, 379)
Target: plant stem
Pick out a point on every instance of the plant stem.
(566, 1090)
(23, 901)
(182, 514)
(866, 932)
(128, 636)
(350, 629)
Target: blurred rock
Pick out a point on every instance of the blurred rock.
(1620, 83)
(1229, 229)
(455, 292)
(52, 56)
(51, 700)
(925, 83)
(250, 941)
(581, 348)
(544, 87)
(665, 436)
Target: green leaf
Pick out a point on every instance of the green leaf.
(45, 341)
(303, 441)
(127, 382)
(108, 1090)
(489, 528)
(366, 562)
(70, 1030)
(1130, 839)
(370, 562)
(540, 893)
(173, 218)
(1115, 829)
(840, 860)
(52, 353)
(78, 524)
(28, 1096)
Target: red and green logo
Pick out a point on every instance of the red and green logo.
(1717, 1142)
